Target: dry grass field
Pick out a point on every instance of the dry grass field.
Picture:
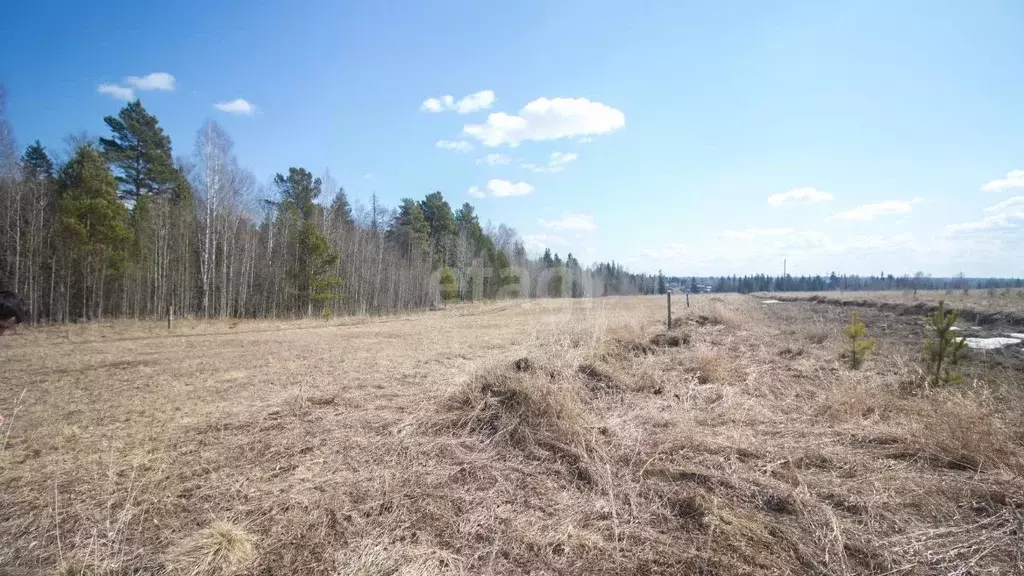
(1002, 303)
(542, 437)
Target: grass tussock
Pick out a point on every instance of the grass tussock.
(710, 367)
(221, 549)
(525, 410)
(962, 434)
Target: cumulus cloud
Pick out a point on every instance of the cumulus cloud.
(752, 233)
(556, 162)
(119, 92)
(1014, 179)
(154, 81)
(548, 119)
(456, 145)
(475, 102)
(872, 211)
(238, 107)
(571, 221)
(799, 196)
(1010, 204)
(494, 160)
(1006, 215)
(500, 189)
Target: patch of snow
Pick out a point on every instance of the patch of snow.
(770, 302)
(991, 343)
(1016, 335)
(956, 328)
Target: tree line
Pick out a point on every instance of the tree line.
(120, 227)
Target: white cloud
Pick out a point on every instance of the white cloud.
(799, 195)
(500, 189)
(570, 221)
(473, 103)
(154, 81)
(119, 92)
(479, 101)
(494, 160)
(872, 211)
(1006, 215)
(671, 251)
(238, 107)
(556, 162)
(1017, 202)
(585, 140)
(456, 145)
(751, 233)
(538, 242)
(1014, 179)
(431, 105)
(548, 119)
(562, 158)
(368, 176)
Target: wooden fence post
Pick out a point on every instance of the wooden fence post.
(687, 299)
(668, 294)
(170, 314)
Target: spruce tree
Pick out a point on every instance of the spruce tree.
(36, 164)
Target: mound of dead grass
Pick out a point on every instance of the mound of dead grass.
(963, 434)
(220, 549)
(525, 410)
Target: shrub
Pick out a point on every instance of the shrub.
(449, 287)
(857, 332)
(942, 350)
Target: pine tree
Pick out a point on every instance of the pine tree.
(661, 283)
(449, 288)
(410, 229)
(139, 151)
(942, 350)
(441, 225)
(315, 259)
(856, 331)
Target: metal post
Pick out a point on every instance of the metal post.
(668, 294)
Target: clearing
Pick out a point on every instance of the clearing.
(530, 437)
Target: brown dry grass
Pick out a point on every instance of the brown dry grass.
(978, 300)
(418, 445)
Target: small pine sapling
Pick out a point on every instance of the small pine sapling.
(942, 350)
(449, 286)
(857, 332)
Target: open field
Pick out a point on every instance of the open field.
(1004, 305)
(421, 445)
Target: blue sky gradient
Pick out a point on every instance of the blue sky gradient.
(899, 123)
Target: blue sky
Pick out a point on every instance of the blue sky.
(693, 137)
